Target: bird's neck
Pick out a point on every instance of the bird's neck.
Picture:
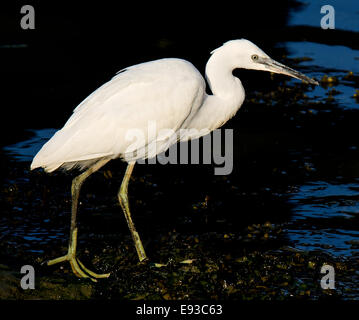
(228, 92)
(221, 80)
(228, 96)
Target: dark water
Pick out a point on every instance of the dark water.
(298, 167)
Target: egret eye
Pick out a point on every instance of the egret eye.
(254, 57)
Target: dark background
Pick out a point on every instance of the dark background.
(77, 46)
(284, 143)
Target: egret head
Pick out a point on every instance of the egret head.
(245, 54)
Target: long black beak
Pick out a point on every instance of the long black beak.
(277, 67)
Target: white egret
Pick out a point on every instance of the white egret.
(170, 92)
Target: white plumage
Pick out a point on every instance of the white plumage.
(98, 126)
(167, 93)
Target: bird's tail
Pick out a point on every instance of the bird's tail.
(47, 157)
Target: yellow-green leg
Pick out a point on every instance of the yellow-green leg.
(77, 266)
(123, 199)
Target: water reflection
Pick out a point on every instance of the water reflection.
(26, 150)
(346, 14)
(324, 57)
(319, 205)
(334, 60)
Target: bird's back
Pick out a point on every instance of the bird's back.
(163, 93)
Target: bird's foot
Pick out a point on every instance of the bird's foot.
(78, 268)
(76, 265)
